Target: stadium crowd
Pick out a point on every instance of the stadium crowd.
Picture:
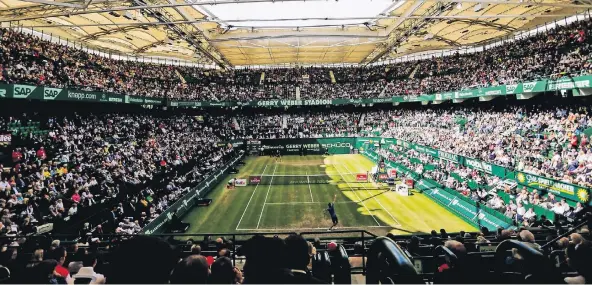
(543, 140)
(138, 164)
(484, 188)
(561, 51)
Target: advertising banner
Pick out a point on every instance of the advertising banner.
(5, 139)
(24, 91)
(254, 180)
(240, 182)
(361, 177)
(307, 146)
(562, 189)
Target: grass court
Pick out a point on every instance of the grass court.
(288, 199)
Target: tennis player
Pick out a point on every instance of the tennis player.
(331, 210)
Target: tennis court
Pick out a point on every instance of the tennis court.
(292, 194)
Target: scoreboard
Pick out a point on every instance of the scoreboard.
(253, 146)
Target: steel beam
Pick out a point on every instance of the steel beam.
(223, 2)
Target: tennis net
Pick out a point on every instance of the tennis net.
(292, 179)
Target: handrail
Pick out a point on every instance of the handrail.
(399, 269)
(587, 221)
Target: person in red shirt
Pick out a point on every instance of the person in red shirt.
(583, 141)
(41, 153)
(76, 196)
(574, 141)
(16, 155)
(60, 254)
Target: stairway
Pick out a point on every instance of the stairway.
(284, 121)
(332, 76)
(262, 78)
(181, 77)
(362, 121)
(412, 74)
(235, 124)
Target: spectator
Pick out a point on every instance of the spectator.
(193, 269)
(142, 259)
(579, 258)
(59, 254)
(297, 260)
(87, 274)
(224, 273)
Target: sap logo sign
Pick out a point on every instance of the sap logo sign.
(51, 93)
(22, 91)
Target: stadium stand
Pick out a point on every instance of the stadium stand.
(556, 53)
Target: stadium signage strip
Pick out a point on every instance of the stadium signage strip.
(189, 200)
(569, 191)
(20, 91)
(469, 211)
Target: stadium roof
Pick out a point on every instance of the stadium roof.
(273, 32)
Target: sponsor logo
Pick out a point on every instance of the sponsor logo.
(5, 138)
(254, 179)
(521, 178)
(553, 186)
(383, 176)
(82, 95)
(139, 100)
(185, 104)
(527, 87)
(174, 104)
(493, 92)
(22, 91)
(583, 195)
(568, 84)
(466, 209)
(461, 94)
(153, 101)
(51, 93)
(511, 88)
(479, 165)
(381, 100)
(115, 99)
(393, 173)
(240, 182)
(448, 156)
(361, 177)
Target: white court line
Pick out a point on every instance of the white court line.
(360, 199)
(241, 218)
(324, 229)
(308, 179)
(298, 203)
(373, 197)
(266, 195)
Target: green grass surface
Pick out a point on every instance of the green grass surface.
(300, 207)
